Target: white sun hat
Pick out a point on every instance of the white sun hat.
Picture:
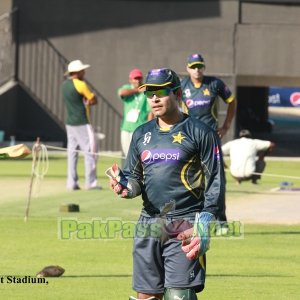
(76, 66)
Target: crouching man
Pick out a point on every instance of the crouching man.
(247, 156)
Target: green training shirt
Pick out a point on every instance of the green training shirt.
(136, 109)
(75, 91)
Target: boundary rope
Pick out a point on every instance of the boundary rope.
(82, 152)
(123, 157)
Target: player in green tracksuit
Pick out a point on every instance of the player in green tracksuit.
(175, 164)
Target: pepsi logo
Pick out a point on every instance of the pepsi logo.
(146, 156)
(199, 102)
(189, 103)
(295, 99)
(160, 156)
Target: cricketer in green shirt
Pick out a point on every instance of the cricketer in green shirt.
(136, 109)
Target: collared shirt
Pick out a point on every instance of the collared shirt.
(75, 91)
(201, 101)
(182, 165)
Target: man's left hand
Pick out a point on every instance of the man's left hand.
(195, 241)
(190, 244)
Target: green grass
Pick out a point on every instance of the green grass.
(264, 264)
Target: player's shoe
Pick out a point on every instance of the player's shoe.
(74, 188)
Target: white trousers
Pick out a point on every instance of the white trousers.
(125, 141)
(82, 138)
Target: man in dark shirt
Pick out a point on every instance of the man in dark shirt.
(174, 162)
(200, 96)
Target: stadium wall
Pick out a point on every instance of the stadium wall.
(251, 43)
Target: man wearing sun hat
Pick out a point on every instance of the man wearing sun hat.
(175, 164)
(136, 110)
(78, 99)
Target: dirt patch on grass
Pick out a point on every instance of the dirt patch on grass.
(279, 207)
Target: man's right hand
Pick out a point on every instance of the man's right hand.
(118, 182)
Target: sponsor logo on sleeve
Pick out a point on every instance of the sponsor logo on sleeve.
(217, 153)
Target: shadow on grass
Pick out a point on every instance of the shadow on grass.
(274, 233)
(17, 175)
(247, 276)
(249, 192)
(99, 276)
(30, 158)
(211, 275)
(74, 276)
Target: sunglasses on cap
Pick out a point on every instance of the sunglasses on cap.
(163, 92)
(197, 66)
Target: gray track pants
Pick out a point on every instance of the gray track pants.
(81, 137)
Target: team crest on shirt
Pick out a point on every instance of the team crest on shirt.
(206, 92)
(147, 138)
(178, 138)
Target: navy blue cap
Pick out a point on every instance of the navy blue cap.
(195, 59)
(161, 77)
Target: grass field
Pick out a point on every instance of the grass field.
(264, 264)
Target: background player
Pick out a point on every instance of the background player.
(78, 99)
(169, 161)
(136, 110)
(247, 156)
(200, 95)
